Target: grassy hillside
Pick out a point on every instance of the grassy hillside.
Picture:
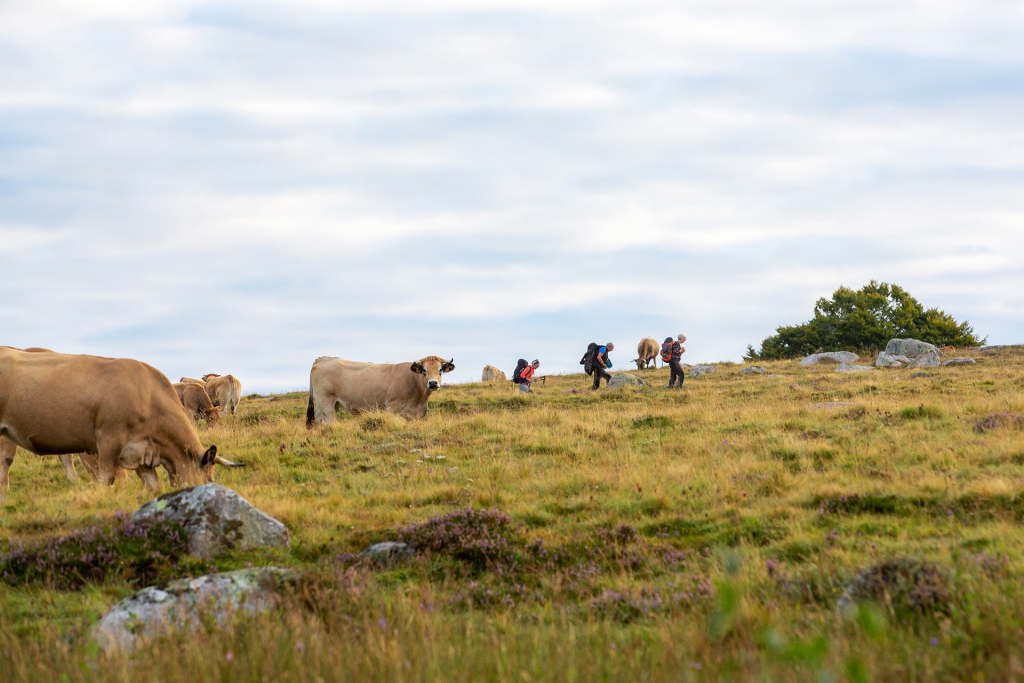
(636, 535)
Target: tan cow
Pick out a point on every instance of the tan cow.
(8, 448)
(124, 411)
(224, 391)
(400, 388)
(493, 374)
(647, 350)
(192, 381)
(196, 402)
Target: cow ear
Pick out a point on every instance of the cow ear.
(448, 366)
(418, 367)
(209, 457)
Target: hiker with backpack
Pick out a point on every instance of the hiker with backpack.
(523, 375)
(597, 362)
(671, 353)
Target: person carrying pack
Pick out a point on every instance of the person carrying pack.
(599, 362)
(523, 375)
(671, 352)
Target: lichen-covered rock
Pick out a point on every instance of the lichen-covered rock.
(701, 370)
(181, 604)
(753, 370)
(389, 551)
(929, 358)
(886, 360)
(919, 374)
(830, 357)
(216, 520)
(911, 348)
(846, 367)
(959, 361)
(624, 379)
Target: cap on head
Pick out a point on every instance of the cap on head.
(535, 363)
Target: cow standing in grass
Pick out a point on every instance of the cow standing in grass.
(647, 353)
(124, 411)
(399, 388)
(224, 391)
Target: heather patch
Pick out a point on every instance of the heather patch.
(481, 538)
(130, 550)
(903, 585)
(996, 420)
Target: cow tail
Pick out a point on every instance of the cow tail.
(310, 409)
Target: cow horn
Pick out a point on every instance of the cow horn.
(227, 463)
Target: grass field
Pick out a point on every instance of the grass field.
(636, 535)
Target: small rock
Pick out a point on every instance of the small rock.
(701, 370)
(389, 551)
(930, 358)
(920, 374)
(959, 361)
(624, 379)
(753, 370)
(830, 357)
(831, 404)
(453, 470)
(439, 458)
(216, 520)
(846, 367)
(415, 450)
(886, 360)
(181, 604)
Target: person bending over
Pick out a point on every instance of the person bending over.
(601, 364)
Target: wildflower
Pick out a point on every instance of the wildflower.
(300, 646)
(383, 623)
(230, 657)
(935, 642)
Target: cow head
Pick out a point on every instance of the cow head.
(641, 363)
(206, 378)
(433, 367)
(212, 416)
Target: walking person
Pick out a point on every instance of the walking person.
(601, 363)
(671, 353)
(524, 375)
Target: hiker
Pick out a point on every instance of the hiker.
(671, 352)
(523, 376)
(598, 362)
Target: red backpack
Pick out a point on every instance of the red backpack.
(666, 351)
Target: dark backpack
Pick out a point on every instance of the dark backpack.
(666, 351)
(588, 358)
(517, 375)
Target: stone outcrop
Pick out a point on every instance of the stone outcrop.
(701, 370)
(216, 520)
(624, 379)
(753, 370)
(959, 361)
(183, 603)
(830, 357)
(895, 360)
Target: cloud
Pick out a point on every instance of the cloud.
(242, 187)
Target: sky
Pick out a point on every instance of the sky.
(241, 187)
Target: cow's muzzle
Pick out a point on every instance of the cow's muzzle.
(433, 384)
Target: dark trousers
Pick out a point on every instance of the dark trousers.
(676, 371)
(600, 372)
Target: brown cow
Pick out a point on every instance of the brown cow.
(224, 391)
(196, 402)
(493, 374)
(400, 388)
(647, 350)
(124, 411)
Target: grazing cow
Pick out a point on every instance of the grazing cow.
(124, 411)
(196, 402)
(400, 388)
(493, 374)
(647, 350)
(189, 380)
(224, 391)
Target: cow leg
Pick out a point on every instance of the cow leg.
(7, 449)
(69, 466)
(149, 478)
(325, 411)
